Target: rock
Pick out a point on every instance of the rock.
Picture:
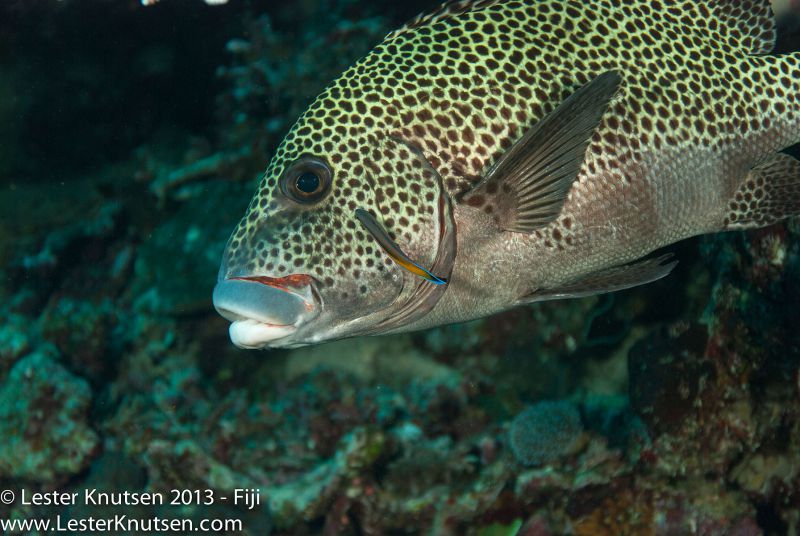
(666, 372)
(43, 421)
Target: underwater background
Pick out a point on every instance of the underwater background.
(131, 139)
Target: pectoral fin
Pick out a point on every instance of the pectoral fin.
(608, 280)
(528, 184)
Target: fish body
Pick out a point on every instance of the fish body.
(515, 151)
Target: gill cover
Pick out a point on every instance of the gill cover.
(392, 249)
(418, 296)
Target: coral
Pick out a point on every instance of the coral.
(15, 340)
(673, 408)
(545, 432)
(498, 529)
(606, 512)
(82, 331)
(667, 373)
(192, 239)
(43, 421)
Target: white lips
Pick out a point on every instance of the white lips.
(251, 334)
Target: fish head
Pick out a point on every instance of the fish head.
(300, 268)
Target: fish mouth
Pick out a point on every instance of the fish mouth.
(264, 309)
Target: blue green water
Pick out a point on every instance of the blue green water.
(131, 139)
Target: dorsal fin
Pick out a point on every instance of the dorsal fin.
(747, 25)
(451, 8)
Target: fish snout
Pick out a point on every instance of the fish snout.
(264, 309)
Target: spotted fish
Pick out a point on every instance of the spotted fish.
(495, 153)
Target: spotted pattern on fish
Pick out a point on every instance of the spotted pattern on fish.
(461, 84)
(766, 195)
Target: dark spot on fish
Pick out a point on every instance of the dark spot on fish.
(476, 200)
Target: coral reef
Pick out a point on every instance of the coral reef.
(545, 432)
(667, 409)
(43, 420)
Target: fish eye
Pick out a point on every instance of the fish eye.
(306, 180)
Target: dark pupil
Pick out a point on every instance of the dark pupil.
(307, 183)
